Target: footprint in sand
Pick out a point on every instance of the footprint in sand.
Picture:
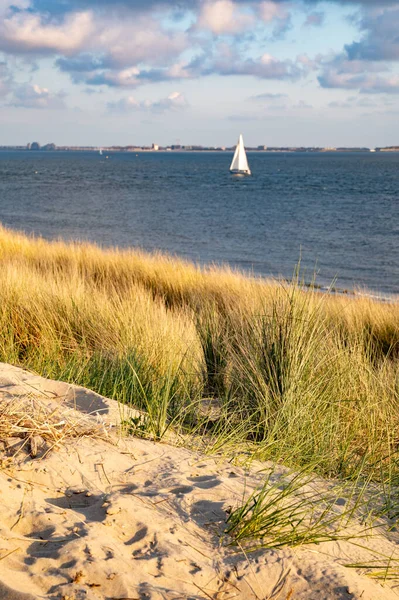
(207, 513)
(181, 489)
(205, 482)
(39, 549)
(138, 536)
(91, 506)
(7, 593)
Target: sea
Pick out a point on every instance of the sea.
(337, 214)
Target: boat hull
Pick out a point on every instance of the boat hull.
(238, 172)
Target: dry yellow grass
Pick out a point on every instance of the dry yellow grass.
(32, 425)
(306, 377)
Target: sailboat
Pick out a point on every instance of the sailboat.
(101, 152)
(239, 164)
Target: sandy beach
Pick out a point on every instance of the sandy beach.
(101, 516)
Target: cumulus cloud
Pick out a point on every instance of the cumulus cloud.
(380, 39)
(127, 43)
(85, 62)
(33, 96)
(88, 37)
(22, 32)
(366, 64)
(264, 67)
(367, 83)
(275, 12)
(268, 11)
(369, 77)
(341, 65)
(122, 53)
(226, 62)
(174, 102)
(126, 78)
(140, 40)
(132, 77)
(223, 17)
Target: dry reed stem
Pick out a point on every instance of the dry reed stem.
(43, 428)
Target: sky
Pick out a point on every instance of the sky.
(136, 72)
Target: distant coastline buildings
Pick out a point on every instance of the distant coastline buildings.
(35, 146)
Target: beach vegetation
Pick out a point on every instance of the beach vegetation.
(254, 369)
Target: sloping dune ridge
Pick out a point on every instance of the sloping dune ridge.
(100, 516)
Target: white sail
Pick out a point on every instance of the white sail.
(239, 163)
(234, 162)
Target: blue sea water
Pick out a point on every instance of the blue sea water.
(339, 212)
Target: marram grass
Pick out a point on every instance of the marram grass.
(290, 510)
(249, 368)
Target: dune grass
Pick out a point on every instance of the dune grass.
(291, 374)
(292, 510)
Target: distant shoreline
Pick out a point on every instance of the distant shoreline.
(194, 150)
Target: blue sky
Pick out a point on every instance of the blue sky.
(282, 72)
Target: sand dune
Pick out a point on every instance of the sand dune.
(134, 519)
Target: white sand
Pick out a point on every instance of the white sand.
(142, 520)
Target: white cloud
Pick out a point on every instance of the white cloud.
(223, 17)
(124, 48)
(126, 78)
(119, 42)
(174, 102)
(363, 75)
(140, 40)
(33, 96)
(367, 83)
(268, 11)
(24, 32)
(275, 12)
(380, 40)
